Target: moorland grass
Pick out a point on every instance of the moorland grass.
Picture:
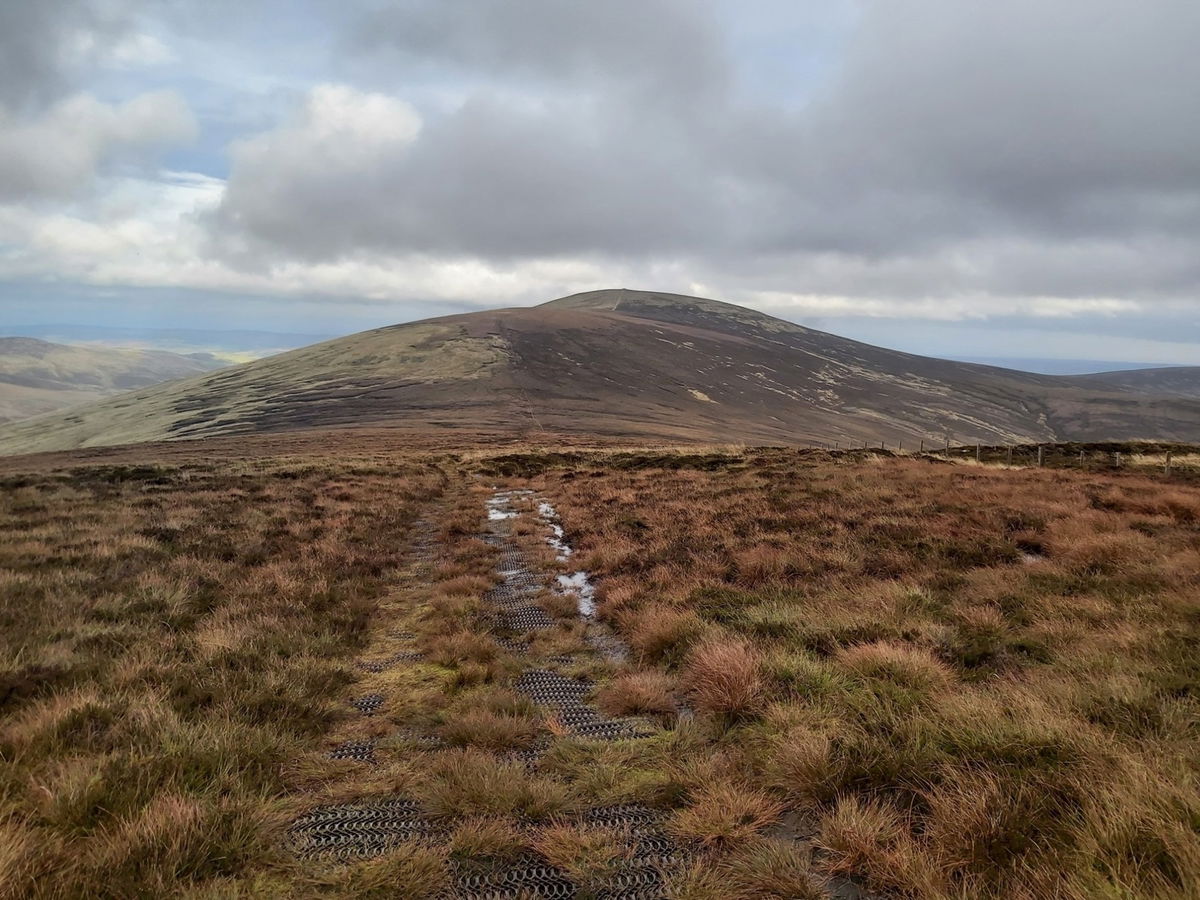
(939, 680)
(171, 639)
(975, 681)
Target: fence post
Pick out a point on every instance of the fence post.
(947, 446)
(1167, 464)
(922, 445)
(899, 446)
(1041, 456)
(1118, 459)
(977, 451)
(1010, 454)
(1081, 459)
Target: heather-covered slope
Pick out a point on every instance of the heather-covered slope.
(628, 364)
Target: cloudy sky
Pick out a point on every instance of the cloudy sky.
(1017, 179)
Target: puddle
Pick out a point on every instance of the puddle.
(513, 595)
(558, 537)
(579, 584)
(499, 506)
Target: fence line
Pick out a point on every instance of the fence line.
(1010, 454)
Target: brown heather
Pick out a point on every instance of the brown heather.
(936, 680)
(172, 638)
(974, 681)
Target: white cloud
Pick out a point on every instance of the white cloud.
(947, 309)
(61, 150)
(138, 50)
(150, 232)
(339, 129)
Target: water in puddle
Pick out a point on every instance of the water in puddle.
(579, 584)
(558, 537)
(499, 508)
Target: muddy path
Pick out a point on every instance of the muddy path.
(518, 523)
(530, 633)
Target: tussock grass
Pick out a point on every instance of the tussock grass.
(770, 869)
(724, 815)
(663, 633)
(484, 843)
(978, 681)
(725, 677)
(408, 872)
(472, 783)
(638, 693)
(940, 681)
(172, 640)
(491, 719)
(589, 856)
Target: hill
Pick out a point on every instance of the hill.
(1170, 381)
(623, 364)
(37, 376)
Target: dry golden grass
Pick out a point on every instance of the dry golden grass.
(485, 842)
(725, 815)
(172, 638)
(662, 633)
(589, 856)
(724, 676)
(770, 870)
(491, 719)
(940, 680)
(472, 783)
(869, 838)
(980, 681)
(638, 693)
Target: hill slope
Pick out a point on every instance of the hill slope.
(1170, 381)
(37, 376)
(627, 364)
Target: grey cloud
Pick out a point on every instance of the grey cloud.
(1059, 116)
(493, 178)
(667, 46)
(43, 43)
(57, 152)
(959, 147)
(54, 137)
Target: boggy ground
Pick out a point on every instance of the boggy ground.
(358, 677)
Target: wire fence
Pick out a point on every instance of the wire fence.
(1098, 455)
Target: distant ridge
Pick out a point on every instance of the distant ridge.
(1050, 366)
(1170, 381)
(38, 377)
(627, 364)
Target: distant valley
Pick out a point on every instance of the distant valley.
(38, 377)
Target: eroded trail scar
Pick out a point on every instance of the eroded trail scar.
(516, 614)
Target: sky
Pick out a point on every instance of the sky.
(949, 177)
